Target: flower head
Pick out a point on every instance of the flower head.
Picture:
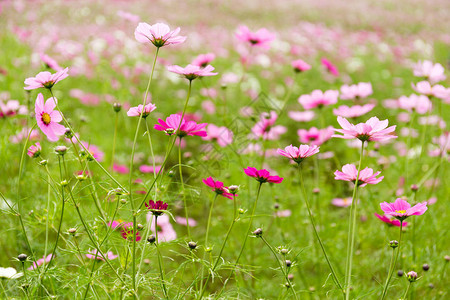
(137, 110)
(390, 221)
(93, 254)
(264, 127)
(218, 187)
(41, 261)
(330, 67)
(50, 62)
(157, 208)
(372, 130)
(126, 231)
(158, 34)
(355, 91)
(317, 98)
(401, 209)
(300, 153)
(45, 79)
(418, 103)
(300, 66)
(261, 38)
(366, 176)
(192, 72)
(262, 176)
(48, 119)
(342, 202)
(203, 60)
(174, 121)
(34, 150)
(315, 136)
(429, 71)
(354, 111)
(9, 273)
(222, 135)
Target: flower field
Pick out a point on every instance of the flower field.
(224, 150)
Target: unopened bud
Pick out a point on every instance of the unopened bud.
(393, 244)
(61, 150)
(233, 189)
(151, 239)
(411, 276)
(22, 257)
(258, 232)
(72, 230)
(117, 107)
(81, 177)
(192, 245)
(316, 190)
(288, 263)
(64, 183)
(414, 187)
(140, 226)
(400, 273)
(43, 162)
(284, 251)
(447, 257)
(426, 267)
(68, 133)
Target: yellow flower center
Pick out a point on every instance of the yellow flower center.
(46, 118)
(401, 211)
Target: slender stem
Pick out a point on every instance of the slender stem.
(352, 229)
(180, 170)
(407, 290)
(392, 266)
(151, 149)
(311, 217)
(116, 122)
(280, 265)
(161, 270)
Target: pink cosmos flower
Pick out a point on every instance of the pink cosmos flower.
(48, 119)
(366, 176)
(300, 153)
(192, 72)
(23, 134)
(318, 99)
(34, 150)
(372, 130)
(157, 208)
(12, 108)
(203, 60)
(283, 213)
(419, 103)
(149, 169)
(360, 90)
(166, 233)
(218, 187)
(330, 67)
(342, 202)
(261, 38)
(432, 72)
(94, 151)
(222, 135)
(121, 169)
(442, 92)
(301, 116)
(50, 62)
(354, 111)
(262, 176)
(93, 254)
(128, 16)
(182, 221)
(401, 209)
(137, 110)
(158, 34)
(389, 221)
(40, 262)
(300, 66)
(126, 231)
(172, 123)
(423, 87)
(45, 79)
(264, 128)
(315, 136)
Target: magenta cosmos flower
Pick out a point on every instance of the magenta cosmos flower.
(318, 99)
(45, 79)
(174, 121)
(203, 60)
(353, 111)
(137, 110)
(47, 118)
(355, 91)
(300, 66)
(389, 221)
(192, 72)
(366, 176)
(372, 130)
(157, 208)
(300, 153)
(34, 150)
(262, 176)
(261, 38)
(158, 34)
(315, 136)
(218, 187)
(401, 209)
(330, 67)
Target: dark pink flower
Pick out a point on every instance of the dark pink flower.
(172, 123)
(126, 232)
(262, 176)
(121, 169)
(34, 150)
(149, 169)
(317, 98)
(192, 72)
(315, 136)
(137, 110)
(158, 34)
(45, 79)
(48, 119)
(372, 130)
(366, 176)
(401, 209)
(300, 153)
(261, 38)
(157, 208)
(203, 60)
(389, 221)
(330, 67)
(300, 66)
(218, 187)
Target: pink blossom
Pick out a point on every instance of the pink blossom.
(156, 207)
(126, 231)
(300, 66)
(354, 111)
(166, 233)
(128, 16)
(283, 213)
(366, 176)
(94, 254)
(158, 34)
(423, 87)
(222, 135)
(48, 119)
(182, 221)
(192, 72)
(330, 67)
(34, 150)
(372, 130)
(45, 79)
(41, 261)
(218, 187)
(121, 169)
(318, 99)
(149, 169)
(300, 153)
(401, 209)
(94, 151)
(174, 121)
(203, 59)
(209, 107)
(50, 62)
(262, 176)
(355, 91)
(389, 221)
(265, 128)
(432, 72)
(315, 136)
(12, 108)
(441, 92)
(342, 202)
(419, 103)
(137, 110)
(261, 38)
(301, 116)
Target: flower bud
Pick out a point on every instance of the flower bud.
(208, 249)
(290, 276)
(425, 267)
(170, 131)
(81, 177)
(447, 257)
(192, 245)
(393, 244)
(431, 286)
(140, 226)
(284, 251)
(72, 231)
(22, 257)
(411, 276)
(43, 162)
(64, 183)
(117, 107)
(400, 273)
(258, 232)
(61, 150)
(276, 206)
(151, 239)
(233, 189)
(68, 133)
(316, 190)
(241, 211)
(147, 261)
(288, 263)
(414, 187)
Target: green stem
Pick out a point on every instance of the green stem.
(407, 290)
(180, 170)
(114, 140)
(161, 270)
(392, 266)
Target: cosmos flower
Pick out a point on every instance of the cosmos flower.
(222, 135)
(265, 128)
(418, 103)
(48, 119)
(94, 151)
(158, 34)
(300, 153)
(40, 262)
(372, 130)
(261, 38)
(300, 66)
(157, 208)
(50, 62)
(93, 254)
(192, 72)
(355, 91)
(315, 136)
(432, 72)
(172, 123)
(262, 176)
(166, 233)
(45, 79)
(301, 116)
(353, 111)
(317, 98)
(390, 221)
(34, 150)
(203, 60)
(9, 273)
(12, 108)
(342, 202)
(401, 209)
(218, 187)
(330, 67)
(137, 110)
(366, 176)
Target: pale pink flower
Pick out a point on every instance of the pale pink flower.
(23, 134)
(203, 60)
(317, 98)
(48, 119)
(423, 87)
(342, 202)
(12, 108)
(353, 111)
(355, 91)
(261, 38)
(265, 128)
(441, 92)
(366, 176)
(174, 121)
(283, 213)
(222, 135)
(330, 67)
(34, 150)
(209, 107)
(45, 79)
(192, 72)
(432, 72)
(401, 209)
(300, 66)
(158, 34)
(94, 151)
(315, 136)
(372, 130)
(301, 116)
(300, 153)
(121, 169)
(182, 221)
(128, 16)
(41, 261)
(94, 254)
(137, 110)
(418, 103)
(50, 62)
(166, 233)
